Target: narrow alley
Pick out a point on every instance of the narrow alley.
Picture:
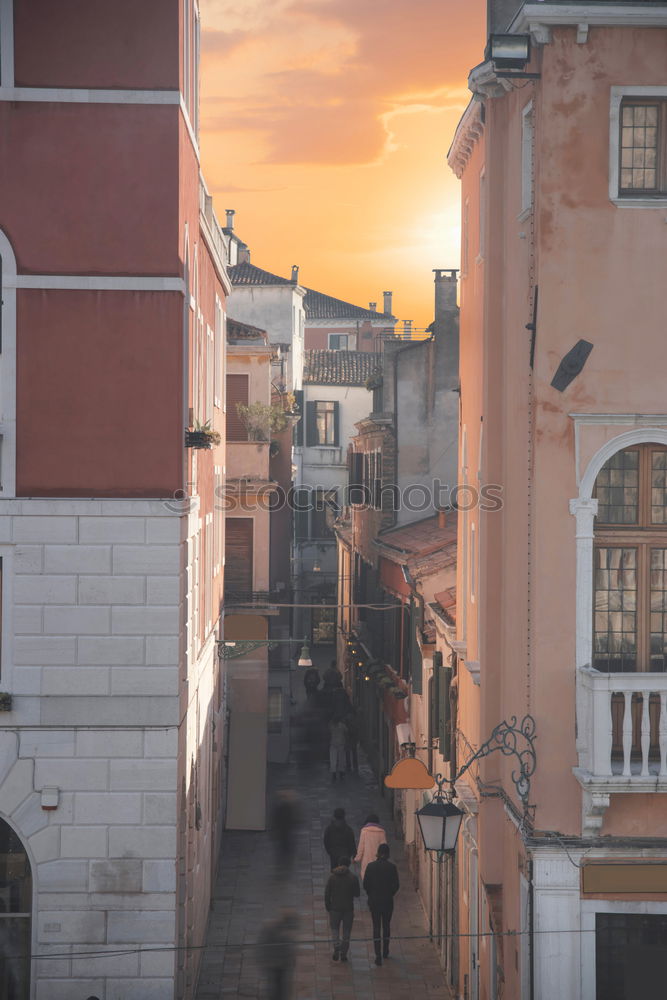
(246, 894)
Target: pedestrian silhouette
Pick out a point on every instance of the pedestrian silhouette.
(285, 819)
(381, 885)
(339, 839)
(277, 954)
(340, 892)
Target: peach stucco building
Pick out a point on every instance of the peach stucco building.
(561, 602)
(112, 733)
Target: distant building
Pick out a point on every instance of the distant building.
(332, 324)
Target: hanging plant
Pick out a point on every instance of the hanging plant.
(203, 436)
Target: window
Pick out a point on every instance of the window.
(238, 554)
(527, 133)
(643, 157)
(321, 423)
(630, 562)
(237, 393)
(638, 145)
(218, 356)
(338, 341)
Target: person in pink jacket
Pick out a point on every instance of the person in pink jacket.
(370, 838)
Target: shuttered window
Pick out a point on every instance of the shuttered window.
(416, 621)
(238, 554)
(237, 392)
(440, 708)
(298, 427)
(356, 493)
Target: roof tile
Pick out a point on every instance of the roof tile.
(339, 367)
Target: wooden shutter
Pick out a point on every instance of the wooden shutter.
(336, 421)
(312, 437)
(301, 504)
(416, 618)
(355, 483)
(238, 554)
(237, 392)
(298, 428)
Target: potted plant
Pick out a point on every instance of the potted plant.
(374, 381)
(202, 436)
(261, 420)
(5, 701)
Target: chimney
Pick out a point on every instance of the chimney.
(244, 254)
(373, 306)
(230, 213)
(446, 286)
(387, 303)
(295, 274)
(407, 329)
(442, 518)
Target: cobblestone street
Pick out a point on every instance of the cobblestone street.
(246, 894)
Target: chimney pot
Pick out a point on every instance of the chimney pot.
(442, 518)
(230, 213)
(373, 306)
(387, 303)
(244, 255)
(295, 273)
(446, 287)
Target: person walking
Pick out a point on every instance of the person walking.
(285, 820)
(341, 890)
(370, 838)
(339, 839)
(337, 741)
(351, 756)
(381, 885)
(277, 954)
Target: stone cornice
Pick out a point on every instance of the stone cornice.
(468, 131)
(538, 19)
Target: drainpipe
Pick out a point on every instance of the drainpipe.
(531, 931)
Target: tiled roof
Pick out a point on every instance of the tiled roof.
(445, 605)
(338, 367)
(243, 331)
(248, 274)
(423, 546)
(320, 306)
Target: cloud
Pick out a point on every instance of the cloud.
(321, 79)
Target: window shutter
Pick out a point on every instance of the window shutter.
(434, 699)
(301, 504)
(355, 485)
(237, 392)
(238, 554)
(312, 437)
(298, 429)
(416, 616)
(444, 709)
(336, 417)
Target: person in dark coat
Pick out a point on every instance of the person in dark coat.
(286, 817)
(340, 892)
(277, 954)
(339, 839)
(311, 682)
(381, 885)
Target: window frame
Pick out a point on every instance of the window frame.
(619, 198)
(333, 443)
(338, 336)
(642, 536)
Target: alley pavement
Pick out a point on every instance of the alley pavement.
(248, 892)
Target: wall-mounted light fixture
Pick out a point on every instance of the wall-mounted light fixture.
(510, 54)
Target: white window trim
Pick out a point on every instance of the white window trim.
(527, 160)
(616, 98)
(8, 370)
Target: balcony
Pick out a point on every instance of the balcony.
(248, 460)
(622, 737)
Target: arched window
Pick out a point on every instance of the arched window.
(630, 562)
(15, 916)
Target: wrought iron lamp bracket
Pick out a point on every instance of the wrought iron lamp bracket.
(512, 741)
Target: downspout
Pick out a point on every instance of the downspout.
(531, 931)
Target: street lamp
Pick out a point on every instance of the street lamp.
(304, 656)
(439, 822)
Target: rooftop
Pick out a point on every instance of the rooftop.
(423, 546)
(320, 306)
(338, 367)
(237, 331)
(249, 274)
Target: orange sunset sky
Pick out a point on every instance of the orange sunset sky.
(326, 123)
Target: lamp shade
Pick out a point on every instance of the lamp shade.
(304, 656)
(439, 823)
(509, 51)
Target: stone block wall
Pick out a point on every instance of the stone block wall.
(93, 636)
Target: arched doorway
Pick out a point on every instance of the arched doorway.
(15, 916)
